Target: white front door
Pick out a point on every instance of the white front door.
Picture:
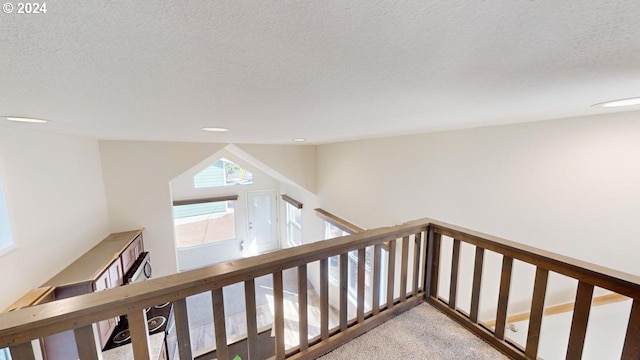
(262, 220)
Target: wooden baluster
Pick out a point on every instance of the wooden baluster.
(344, 279)
(22, 352)
(537, 311)
(278, 294)
(423, 265)
(86, 342)
(433, 264)
(631, 349)
(222, 349)
(324, 299)
(453, 284)
(375, 298)
(403, 268)
(139, 334)
(303, 328)
(416, 263)
(361, 275)
(391, 245)
(477, 281)
(182, 328)
(503, 297)
(580, 319)
(253, 349)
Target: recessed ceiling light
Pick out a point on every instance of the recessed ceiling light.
(621, 102)
(299, 140)
(215, 129)
(26, 120)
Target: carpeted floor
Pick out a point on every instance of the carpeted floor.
(420, 333)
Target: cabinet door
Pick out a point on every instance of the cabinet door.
(103, 282)
(132, 252)
(105, 327)
(115, 274)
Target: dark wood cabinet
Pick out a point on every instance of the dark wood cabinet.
(101, 268)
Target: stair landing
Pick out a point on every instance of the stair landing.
(420, 333)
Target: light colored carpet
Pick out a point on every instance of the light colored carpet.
(420, 333)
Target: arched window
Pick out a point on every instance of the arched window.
(6, 239)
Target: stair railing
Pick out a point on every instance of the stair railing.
(588, 276)
(414, 255)
(20, 327)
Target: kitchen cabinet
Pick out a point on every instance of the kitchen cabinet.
(34, 297)
(112, 277)
(116, 274)
(131, 253)
(101, 268)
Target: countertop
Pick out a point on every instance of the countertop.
(33, 297)
(94, 262)
(125, 352)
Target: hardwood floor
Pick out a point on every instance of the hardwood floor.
(205, 231)
(203, 339)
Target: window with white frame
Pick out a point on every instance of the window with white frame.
(332, 231)
(294, 225)
(6, 237)
(199, 222)
(353, 275)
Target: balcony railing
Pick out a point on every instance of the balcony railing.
(416, 267)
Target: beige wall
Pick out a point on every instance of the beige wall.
(55, 198)
(570, 186)
(66, 193)
(182, 187)
(293, 164)
(136, 178)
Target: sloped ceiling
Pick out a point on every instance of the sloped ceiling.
(327, 71)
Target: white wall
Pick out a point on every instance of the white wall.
(56, 202)
(136, 178)
(605, 336)
(570, 186)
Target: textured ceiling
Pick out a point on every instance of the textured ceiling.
(323, 70)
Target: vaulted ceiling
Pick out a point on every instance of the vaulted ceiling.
(271, 71)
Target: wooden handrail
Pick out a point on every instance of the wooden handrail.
(338, 222)
(205, 200)
(562, 308)
(297, 204)
(19, 327)
(588, 275)
(607, 278)
(35, 322)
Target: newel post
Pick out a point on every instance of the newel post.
(431, 263)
